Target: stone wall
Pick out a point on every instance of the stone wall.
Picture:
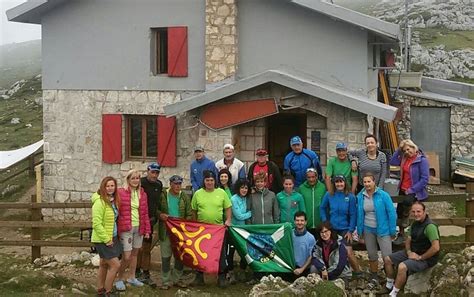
(462, 124)
(221, 39)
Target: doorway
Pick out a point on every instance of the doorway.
(280, 128)
(430, 130)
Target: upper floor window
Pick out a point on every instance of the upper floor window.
(169, 51)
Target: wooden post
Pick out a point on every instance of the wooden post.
(470, 211)
(35, 231)
(31, 161)
(38, 182)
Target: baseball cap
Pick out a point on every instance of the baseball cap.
(338, 177)
(341, 146)
(261, 152)
(154, 167)
(176, 179)
(198, 149)
(295, 140)
(228, 146)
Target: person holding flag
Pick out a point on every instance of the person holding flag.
(303, 244)
(173, 203)
(209, 205)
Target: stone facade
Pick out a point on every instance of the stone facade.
(221, 39)
(462, 127)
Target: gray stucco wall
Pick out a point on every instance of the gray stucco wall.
(105, 45)
(278, 34)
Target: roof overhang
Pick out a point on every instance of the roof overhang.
(353, 17)
(300, 82)
(31, 11)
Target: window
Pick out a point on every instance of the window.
(169, 51)
(146, 138)
(161, 45)
(141, 137)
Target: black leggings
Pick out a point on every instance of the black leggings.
(403, 208)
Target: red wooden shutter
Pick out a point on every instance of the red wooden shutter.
(167, 141)
(112, 138)
(178, 51)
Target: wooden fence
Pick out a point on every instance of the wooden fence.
(37, 224)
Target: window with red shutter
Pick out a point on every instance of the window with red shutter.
(167, 141)
(170, 51)
(112, 138)
(151, 138)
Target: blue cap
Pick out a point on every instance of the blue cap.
(295, 140)
(341, 146)
(154, 167)
(176, 179)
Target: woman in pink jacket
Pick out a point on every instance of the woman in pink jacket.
(133, 224)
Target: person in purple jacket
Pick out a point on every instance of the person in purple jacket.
(414, 176)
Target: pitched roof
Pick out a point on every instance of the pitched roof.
(297, 81)
(31, 12)
(352, 17)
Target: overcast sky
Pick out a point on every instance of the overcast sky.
(16, 32)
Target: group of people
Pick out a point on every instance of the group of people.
(328, 214)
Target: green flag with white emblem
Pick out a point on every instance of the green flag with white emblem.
(266, 248)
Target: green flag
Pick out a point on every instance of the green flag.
(266, 248)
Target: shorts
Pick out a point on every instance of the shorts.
(371, 241)
(131, 239)
(109, 252)
(342, 233)
(413, 266)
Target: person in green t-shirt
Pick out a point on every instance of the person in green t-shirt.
(341, 165)
(209, 206)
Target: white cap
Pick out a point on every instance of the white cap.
(228, 146)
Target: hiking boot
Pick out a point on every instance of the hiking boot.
(148, 281)
(135, 282)
(181, 284)
(373, 284)
(198, 279)
(120, 285)
(222, 281)
(384, 291)
(231, 277)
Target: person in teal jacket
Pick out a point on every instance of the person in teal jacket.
(289, 201)
(376, 223)
(240, 214)
(105, 204)
(312, 191)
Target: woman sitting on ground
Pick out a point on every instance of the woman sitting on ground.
(330, 258)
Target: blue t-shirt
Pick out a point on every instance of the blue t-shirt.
(302, 246)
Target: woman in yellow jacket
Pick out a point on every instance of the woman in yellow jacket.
(105, 205)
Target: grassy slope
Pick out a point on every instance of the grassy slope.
(12, 136)
(19, 61)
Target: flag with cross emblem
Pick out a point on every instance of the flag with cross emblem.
(197, 245)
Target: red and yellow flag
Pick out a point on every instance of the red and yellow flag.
(197, 245)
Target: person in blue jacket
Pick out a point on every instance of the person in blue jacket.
(298, 160)
(340, 209)
(200, 164)
(376, 223)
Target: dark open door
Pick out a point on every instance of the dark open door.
(280, 128)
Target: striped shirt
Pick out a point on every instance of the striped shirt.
(377, 166)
